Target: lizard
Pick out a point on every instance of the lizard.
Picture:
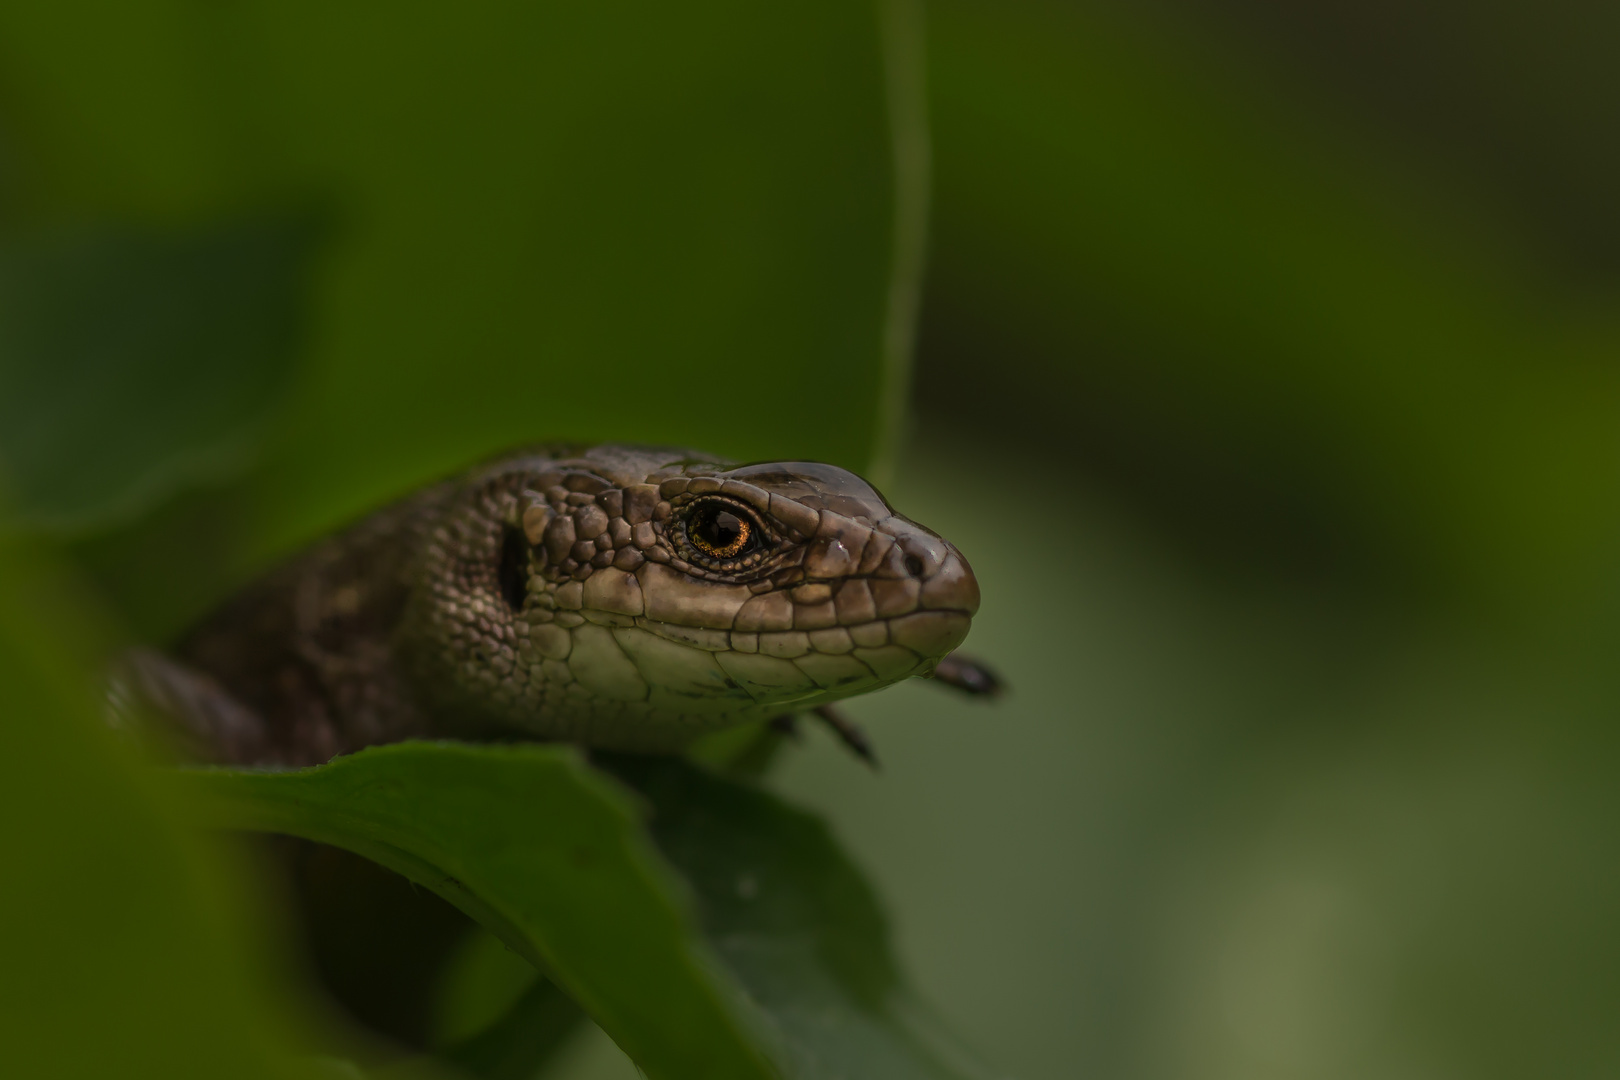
(625, 598)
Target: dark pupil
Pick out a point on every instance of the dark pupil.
(720, 528)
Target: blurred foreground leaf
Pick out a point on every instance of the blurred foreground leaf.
(649, 223)
(547, 855)
(117, 957)
(133, 361)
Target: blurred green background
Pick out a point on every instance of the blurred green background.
(1265, 370)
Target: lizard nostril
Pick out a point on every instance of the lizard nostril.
(914, 566)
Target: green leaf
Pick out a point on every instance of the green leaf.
(477, 984)
(635, 223)
(543, 852)
(119, 952)
(536, 1026)
(688, 224)
(547, 854)
(797, 924)
(135, 361)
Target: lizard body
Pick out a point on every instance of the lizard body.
(621, 597)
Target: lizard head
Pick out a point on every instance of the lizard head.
(635, 598)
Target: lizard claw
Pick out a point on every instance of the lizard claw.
(849, 733)
(969, 676)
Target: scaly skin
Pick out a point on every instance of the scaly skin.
(565, 593)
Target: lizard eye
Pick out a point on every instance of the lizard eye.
(723, 530)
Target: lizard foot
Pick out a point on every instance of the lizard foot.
(969, 676)
(849, 733)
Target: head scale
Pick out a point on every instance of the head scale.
(636, 598)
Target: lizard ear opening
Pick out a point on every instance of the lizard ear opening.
(513, 573)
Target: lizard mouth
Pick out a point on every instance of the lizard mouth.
(788, 666)
(816, 641)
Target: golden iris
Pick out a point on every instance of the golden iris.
(719, 533)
